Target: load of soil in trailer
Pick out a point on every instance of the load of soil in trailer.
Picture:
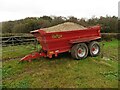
(67, 26)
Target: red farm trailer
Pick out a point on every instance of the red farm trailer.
(78, 42)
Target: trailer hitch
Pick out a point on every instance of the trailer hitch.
(34, 55)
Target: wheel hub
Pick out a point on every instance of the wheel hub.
(95, 49)
(81, 52)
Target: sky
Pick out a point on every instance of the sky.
(119, 10)
(20, 9)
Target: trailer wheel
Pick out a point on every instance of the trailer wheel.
(79, 51)
(94, 48)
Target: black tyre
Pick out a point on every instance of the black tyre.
(79, 51)
(94, 48)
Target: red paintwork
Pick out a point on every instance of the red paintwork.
(93, 49)
(65, 39)
(34, 55)
(79, 51)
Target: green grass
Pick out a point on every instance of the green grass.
(110, 49)
(64, 71)
(17, 51)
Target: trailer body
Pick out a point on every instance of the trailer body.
(54, 43)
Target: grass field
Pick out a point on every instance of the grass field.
(63, 71)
